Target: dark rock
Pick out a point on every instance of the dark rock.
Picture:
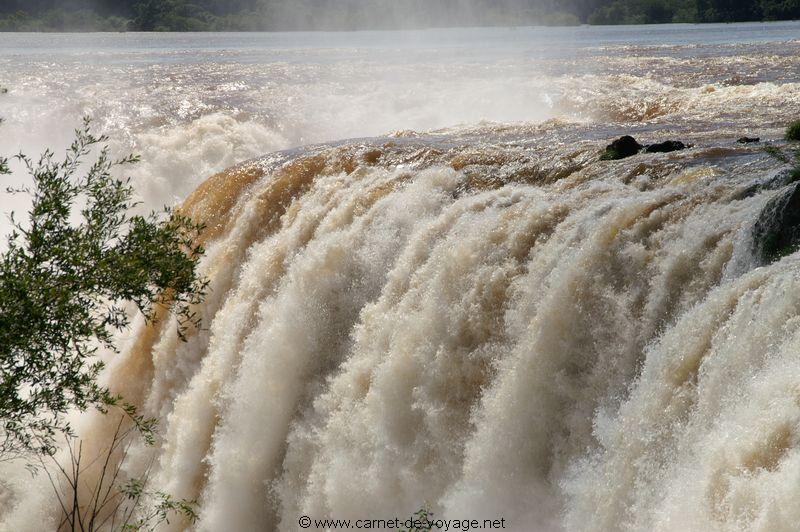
(666, 146)
(776, 232)
(771, 182)
(621, 148)
(748, 140)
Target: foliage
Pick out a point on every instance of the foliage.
(777, 154)
(148, 509)
(793, 131)
(259, 15)
(65, 276)
(93, 495)
(62, 20)
(422, 517)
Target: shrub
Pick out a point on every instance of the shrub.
(95, 493)
(793, 131)
(64, 276)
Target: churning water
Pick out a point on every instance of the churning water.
(485, 317)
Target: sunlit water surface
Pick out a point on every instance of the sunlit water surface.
(461, 306)
(193, 104)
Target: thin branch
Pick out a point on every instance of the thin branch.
(96, 494)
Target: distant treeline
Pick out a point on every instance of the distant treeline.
(255, 15)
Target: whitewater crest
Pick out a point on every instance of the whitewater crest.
(511, 330)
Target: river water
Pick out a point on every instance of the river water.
(461, 306)
(193, 104)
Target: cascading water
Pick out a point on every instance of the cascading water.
(496, 331)
(489, 321)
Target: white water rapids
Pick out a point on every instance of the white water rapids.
(490, 321)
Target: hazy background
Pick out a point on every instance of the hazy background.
(272, 15)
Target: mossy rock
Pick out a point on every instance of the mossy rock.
(621, 148)
(776, 232)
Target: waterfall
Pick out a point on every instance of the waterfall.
(513, 330)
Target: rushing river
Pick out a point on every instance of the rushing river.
(465, 307)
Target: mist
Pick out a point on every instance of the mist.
(288, 15)
(432, 285)
(348, 15)
(416, 14)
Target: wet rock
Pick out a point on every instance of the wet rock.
(621, 148)
(770, 182)
(748, 140)
(776, 232)
(666, 146)
(737, 79)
